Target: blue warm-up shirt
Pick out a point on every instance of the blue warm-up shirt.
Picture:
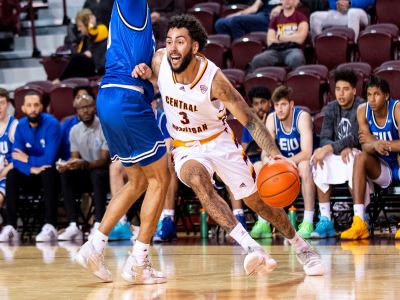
(40, 143)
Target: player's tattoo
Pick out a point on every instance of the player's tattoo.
(276, 216)
(261, 135)
(199, 180)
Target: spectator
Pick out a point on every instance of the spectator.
(37, 139)
(8, 125)
(101, 9)
(260, 98)
(161, 12)
(333, 160)
(378, 121)
(87, 169)
(90, 57)
(286, 35)
(342, 13)
(67, 124)
(292, 129)
(253, 18)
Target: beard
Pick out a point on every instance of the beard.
(34, 119)
(185, 62)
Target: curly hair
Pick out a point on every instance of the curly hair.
(378, 82)
(347, 75)
(193, 25)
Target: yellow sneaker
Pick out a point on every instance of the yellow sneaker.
(397, 236)
(358, 230)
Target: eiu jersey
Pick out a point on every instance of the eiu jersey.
(288, 142)
(388, 132)
(5, 141)
(130, 25)
(162, 123)
(40, 143)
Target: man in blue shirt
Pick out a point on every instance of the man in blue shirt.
(34, 153)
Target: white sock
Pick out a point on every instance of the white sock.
(359, 210)
(262, 220)
(140, 251)
(123, 220)
(325, 209)
(238, 211)
(298, 243)
(308, 216)
(99, 241)
(72, 224)
(169, 213)
(240, 235)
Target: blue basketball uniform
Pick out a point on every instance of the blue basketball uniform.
(162, 123)
(123, 102)
(388, 132)
(5, 149)
(288, 142)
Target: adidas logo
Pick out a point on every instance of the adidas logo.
(243, 185)
(182, 88)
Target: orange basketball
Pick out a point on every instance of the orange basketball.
(278, 184)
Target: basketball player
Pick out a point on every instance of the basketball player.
(195, 93)
(8, 124)
(379, 133)
(127, 119)
(292, 129)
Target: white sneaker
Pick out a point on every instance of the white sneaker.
(47, 234)
(9, 234)
(72, 232)
(48, 252)
(311, 261)
(258, 262)
(141, 274)
(93, 261)
(95, 226)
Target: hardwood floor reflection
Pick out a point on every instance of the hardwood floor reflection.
(355, 270)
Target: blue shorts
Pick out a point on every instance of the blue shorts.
(129, 126)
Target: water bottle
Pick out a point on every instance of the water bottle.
(203, 224)
(292, 217)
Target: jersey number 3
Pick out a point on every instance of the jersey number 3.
(184, 118)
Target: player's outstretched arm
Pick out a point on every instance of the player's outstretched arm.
(222, 89)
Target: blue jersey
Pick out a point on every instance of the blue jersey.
(5, 142)
(40, 143)
(388, 132)
(130, 25)
(162, 123)
(288, 142)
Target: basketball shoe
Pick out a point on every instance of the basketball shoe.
(305, 229)
(261, 230)
(72, 232)
(141, 274)
(166, 230)
(311, 261)
(121, 231)
(93, 261)
(9, 234)
(258, 262)
(358, 230)
(47, 234)
(323, 229)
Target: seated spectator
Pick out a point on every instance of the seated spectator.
(379, 133)
(286, 35)
(342, 13)
(8, 125)
(253, 18)
(67, 124)
(260, 98)
(87, 169)
(333, 161)
(91, 53)
(37, 139)
(161, 12)
(292, 129)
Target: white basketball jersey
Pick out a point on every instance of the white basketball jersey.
(191, 114)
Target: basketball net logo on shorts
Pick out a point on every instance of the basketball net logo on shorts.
(203, 88)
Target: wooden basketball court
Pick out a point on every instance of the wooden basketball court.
(355, 270)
